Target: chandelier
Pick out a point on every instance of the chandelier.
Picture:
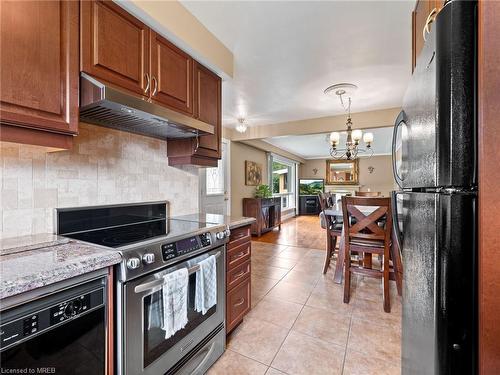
(352, 147)
(242, 125)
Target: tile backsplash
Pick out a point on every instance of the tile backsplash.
(104, 167)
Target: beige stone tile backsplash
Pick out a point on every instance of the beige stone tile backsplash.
(104, 167)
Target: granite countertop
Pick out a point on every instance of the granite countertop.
(231, 221)
(31, 262)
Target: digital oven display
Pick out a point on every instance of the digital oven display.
(187, 245)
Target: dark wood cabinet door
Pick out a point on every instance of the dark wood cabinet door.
(114, 46)
(424, 9)
(238, 302)
(419, 16)
(171, 75)
(39, 65)
(207, 86)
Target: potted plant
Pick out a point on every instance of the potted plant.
(263, 191)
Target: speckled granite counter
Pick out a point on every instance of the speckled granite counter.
(231, 221)
(31, 262)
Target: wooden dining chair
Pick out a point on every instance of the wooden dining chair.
(368, 193)
(333, 228)
(365, 235)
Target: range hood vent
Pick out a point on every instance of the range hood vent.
(104, 105)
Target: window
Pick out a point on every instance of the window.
(283, 180)
(215, 179)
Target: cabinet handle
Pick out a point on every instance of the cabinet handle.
(430, 19)
(240, 302)
(239, 255)
(241, 273)
(147, 84)
(155, 88)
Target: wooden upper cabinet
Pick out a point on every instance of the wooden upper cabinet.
(39, 70)
(114, 46)
(424, 9)
(207, 108)
(171, 75)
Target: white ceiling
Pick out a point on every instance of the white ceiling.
(316, 146)
(287, 52)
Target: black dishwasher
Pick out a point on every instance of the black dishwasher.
(63, 333)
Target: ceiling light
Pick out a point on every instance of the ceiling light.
(352, 148)
(242, 126)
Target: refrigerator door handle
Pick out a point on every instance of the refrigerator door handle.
(395, 220)
(399, 122)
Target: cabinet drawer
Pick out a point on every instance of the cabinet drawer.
(239, 236)
(238, 255)
(237, 304)
(237, 274)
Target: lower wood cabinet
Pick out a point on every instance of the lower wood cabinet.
(238, 276)
(237, 304)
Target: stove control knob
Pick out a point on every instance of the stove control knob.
(220, 235)
(133, 263)
(227, 232)
(148, 258)
(69, 310)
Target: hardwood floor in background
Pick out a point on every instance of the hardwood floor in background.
(301, 231)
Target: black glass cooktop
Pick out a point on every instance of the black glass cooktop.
(116, 226)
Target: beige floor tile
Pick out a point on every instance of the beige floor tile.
(302, 354)
(276, 311)
(256, 339)
(326, 285)
(270, 272)
(371, 289)
(323, 325)
(291, 292)
(357, 363)
(234, 363)
(255, 299)
(292, 253)
(315, 269)
(273, 371)
(282, 262)
(267, 247)
(374, 312)
(329, 301)
(262, 285)
(316, 253)
(304, 277)
(375, 340)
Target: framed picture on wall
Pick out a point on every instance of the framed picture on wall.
(253, 173)
(342, 172)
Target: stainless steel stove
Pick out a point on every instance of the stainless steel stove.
(153, 245)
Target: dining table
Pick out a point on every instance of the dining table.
(336, 210)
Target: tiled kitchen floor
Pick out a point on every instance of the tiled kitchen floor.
(299, 324)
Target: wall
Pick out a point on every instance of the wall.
(239, 153)
(380, 180)
(104, 167)
(363, 120)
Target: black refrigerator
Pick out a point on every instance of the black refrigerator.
(434, 163)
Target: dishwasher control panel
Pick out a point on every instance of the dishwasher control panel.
(45, 318)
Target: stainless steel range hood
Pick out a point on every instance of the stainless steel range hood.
(104, 105)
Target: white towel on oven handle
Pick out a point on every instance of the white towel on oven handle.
(175, 289)
(206, 285)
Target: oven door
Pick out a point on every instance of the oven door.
(145, 349)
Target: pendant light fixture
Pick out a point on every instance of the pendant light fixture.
(352, 146)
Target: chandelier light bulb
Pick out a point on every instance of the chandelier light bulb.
(368, 138)
(334, 137)
(356, 135)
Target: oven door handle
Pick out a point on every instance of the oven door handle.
(150, 285)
